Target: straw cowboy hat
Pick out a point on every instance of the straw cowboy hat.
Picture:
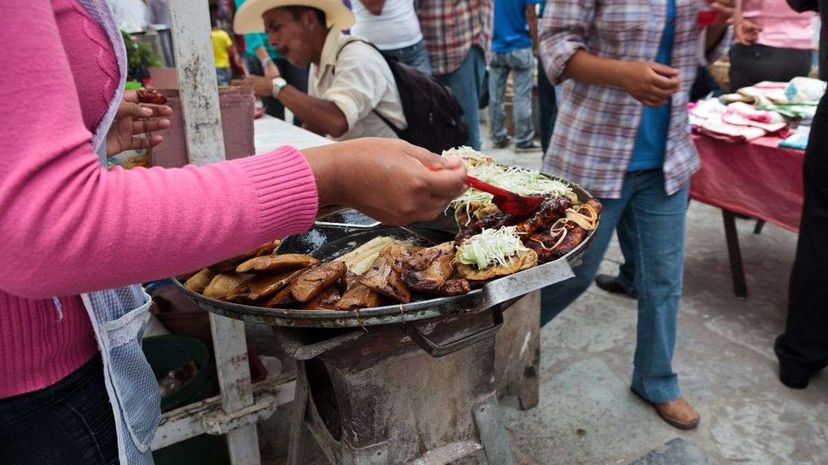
(249, 15)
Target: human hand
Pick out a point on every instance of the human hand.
(389, 180)
(648, 82)
(725, 10)
(262, 86)
(134, 119)
(746, 31)
(271, 71)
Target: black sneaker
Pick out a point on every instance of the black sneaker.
(610, 284)
(530, 146)
(503, 143)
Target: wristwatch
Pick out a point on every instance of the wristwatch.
(278, 84)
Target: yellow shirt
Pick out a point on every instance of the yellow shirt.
(221, 42)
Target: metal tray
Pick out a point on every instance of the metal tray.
(328, 242)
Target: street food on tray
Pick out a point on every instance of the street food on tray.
(386, 271)
(493, 253)
(560, 224)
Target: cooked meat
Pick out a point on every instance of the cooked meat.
(542, 243)
(550, 211)
(283, 262)
(282, 298)
(315, 280)
(265, 249)
(224, 285)
(199, 281)
(358, 296)
(263, 285)
(151, 96)
(385, 274)
(430, 268)
(325, 300)
(228, 265)
(523, 260)
(454, 286)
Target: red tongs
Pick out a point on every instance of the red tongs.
(508, 202)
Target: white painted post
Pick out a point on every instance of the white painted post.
(190, 23)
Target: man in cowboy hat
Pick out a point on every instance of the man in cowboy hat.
(348, 82)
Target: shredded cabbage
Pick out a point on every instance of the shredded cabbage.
(490, 247)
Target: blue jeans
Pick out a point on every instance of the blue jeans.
(548, 103)
(466, 83)
(413, 55)
(224, 76)
(657, 243)
(68, 423)
(519, 63)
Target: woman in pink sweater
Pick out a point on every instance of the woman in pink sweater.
(68, 226)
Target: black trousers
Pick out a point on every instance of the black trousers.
(751, 64)
(297, 77)
(804, 345)
(68, 423)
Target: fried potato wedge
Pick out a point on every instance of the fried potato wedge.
(199, 281)
(358, 296)
(283, 262)
(325, 300)
(265, 249)
(315, 280)
(224, 285)
(523, 260)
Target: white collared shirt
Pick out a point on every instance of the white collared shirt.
(358, 81)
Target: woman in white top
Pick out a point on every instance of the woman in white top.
(392, 26)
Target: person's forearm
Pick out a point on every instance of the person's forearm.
(373, 6)
(713, 37)
(320, 116)
(588, 68)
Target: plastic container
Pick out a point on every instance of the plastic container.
(166, 353)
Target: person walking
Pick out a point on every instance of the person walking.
(514, 46)
(457, 37)
(802, 350)
(392, 26)
(622, 134)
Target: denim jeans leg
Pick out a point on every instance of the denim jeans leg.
(626, 272)
(555, 298)
(548, 107)
(498, 75)
(466, 84)
(522, 77)
(659, 247)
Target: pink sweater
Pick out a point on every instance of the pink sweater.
(69, 226)
(781, 26)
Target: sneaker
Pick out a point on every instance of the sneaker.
(530, 146)
(499, 144)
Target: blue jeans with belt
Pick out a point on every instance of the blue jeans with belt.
(413, 55)
(655, 223)
(466, 83)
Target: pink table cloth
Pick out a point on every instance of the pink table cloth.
(758, 179)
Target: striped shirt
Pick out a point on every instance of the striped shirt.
(596, 125)
(451, 27)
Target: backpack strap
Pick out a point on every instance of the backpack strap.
(385, 120)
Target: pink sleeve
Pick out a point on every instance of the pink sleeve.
(69, 226)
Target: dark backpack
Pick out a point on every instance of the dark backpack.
(433, 114)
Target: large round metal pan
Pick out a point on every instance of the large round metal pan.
(327, 243)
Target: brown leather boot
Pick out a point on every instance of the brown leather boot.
(677, 412)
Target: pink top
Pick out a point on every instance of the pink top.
(69, 226)
(781, 26)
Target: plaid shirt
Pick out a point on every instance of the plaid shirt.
(596, 125)
(451, 27)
